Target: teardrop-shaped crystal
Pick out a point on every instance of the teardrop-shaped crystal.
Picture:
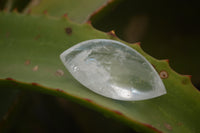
(113, 69)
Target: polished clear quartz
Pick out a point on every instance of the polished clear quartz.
(113, 69)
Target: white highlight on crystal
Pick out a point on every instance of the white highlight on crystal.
(112, 69)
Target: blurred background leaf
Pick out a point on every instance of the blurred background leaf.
(168, 29)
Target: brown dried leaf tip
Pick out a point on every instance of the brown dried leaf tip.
(112, 33)
(166, 60)
(163, 74)
(68, 30)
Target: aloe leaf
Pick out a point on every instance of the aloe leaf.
(77, 10)
(29, 52)
(164, 33)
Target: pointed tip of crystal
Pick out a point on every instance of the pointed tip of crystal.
(113, 69)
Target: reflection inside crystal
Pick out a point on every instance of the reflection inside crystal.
(121, 92)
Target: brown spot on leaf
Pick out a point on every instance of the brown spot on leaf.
(37, 37)
(65, 15)
(68, 30)
(150, 126)
(89, 22)
(168, 126)
(179, 124)
(13, 83)
(117, 112)
(189, 76)
(9, 79)
(35, 68)
(87, 99)
(27, 62)
(163, 74)
(35, 84)
(59, 90)
(7, 34)
(59, 72)
(45, 12)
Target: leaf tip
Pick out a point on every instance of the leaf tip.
(137, 43)
(166, 60)
(189, 76)
(59, 72)
(112, 33)
(27, 62)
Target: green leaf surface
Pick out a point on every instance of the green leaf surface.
(77, 10)
(29, 53)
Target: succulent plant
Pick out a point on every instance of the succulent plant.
(32, 36)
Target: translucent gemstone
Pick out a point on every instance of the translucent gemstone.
(113, 69)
